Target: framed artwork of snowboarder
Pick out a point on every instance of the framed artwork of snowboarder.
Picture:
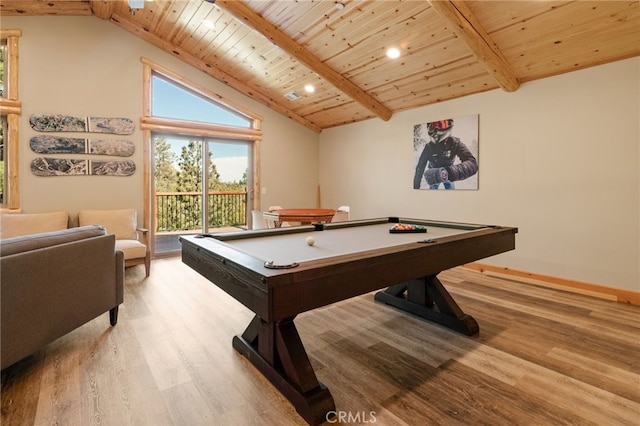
(446, 154)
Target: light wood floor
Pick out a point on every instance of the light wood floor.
(543, 357)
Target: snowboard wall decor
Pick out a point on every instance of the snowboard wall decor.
(47, 166)
(45, 144)
(70, 123)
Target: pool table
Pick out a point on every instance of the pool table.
(277, 275)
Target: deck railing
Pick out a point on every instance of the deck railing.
(182, 211)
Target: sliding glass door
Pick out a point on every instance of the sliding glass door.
(227, 174)
(200, 185)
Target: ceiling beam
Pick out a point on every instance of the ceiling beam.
(300, 53)
(210, 69)
(468, 29)
(51, 7)
(103, 9)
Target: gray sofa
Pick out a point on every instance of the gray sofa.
(52, 283)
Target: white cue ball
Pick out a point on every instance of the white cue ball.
(310, 241)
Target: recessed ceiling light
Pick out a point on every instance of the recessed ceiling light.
(393, 53)
(309, 88)
(339, 6)
(208, 24)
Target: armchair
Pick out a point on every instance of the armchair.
(133, 241)
(20, 224)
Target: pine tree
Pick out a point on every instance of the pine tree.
(165, 173)
(183, 174)
(164, 170)
(189, 177)
(189, 180)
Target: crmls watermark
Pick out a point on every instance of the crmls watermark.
(351, 417)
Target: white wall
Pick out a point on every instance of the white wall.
(559, 159)
(89, 66)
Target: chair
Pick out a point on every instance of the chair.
(257, 220)
(340, 216)
(346, 209)
(19, 224)
(133, 241)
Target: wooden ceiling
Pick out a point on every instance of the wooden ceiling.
(449, 49)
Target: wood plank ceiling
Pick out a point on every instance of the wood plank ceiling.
(448, 49)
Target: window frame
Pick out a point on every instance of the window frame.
(150, 124)
(11, 109)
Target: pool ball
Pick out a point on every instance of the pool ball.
(310, 241)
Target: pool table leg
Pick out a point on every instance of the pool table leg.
(428, 299)
(275, 348)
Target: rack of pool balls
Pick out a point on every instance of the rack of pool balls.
(401, 228)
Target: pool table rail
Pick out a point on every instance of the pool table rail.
(320, 282)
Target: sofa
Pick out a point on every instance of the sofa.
(54, 282)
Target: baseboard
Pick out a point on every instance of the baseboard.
(595, 290)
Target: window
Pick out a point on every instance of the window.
(10, 110)
(172, 101)
(202, 159)
(3, 54)
(3, 182)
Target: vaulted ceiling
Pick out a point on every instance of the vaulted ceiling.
(270, 50)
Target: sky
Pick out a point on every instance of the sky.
(230, 157)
